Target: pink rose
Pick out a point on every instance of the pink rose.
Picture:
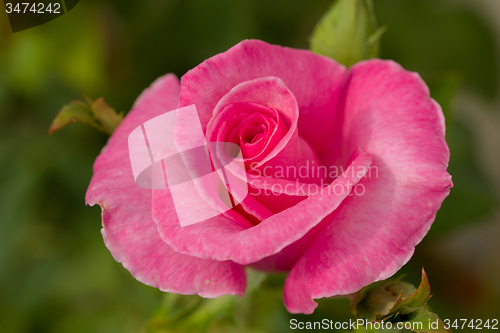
(286, 109)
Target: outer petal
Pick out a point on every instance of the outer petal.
(222, 239)
(128, 229)
(314, 80)
(389, 114)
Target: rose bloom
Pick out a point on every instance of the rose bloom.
(285, 108)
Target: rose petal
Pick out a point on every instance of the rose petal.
(314, 80)
(128, 229)
(284, 148)
(269, 93)
(221, 239)
(389, 114)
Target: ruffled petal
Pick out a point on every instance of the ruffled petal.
(389, 114)
(128, 229)
(221, 239)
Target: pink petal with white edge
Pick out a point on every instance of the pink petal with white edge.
(128, 229)
(389, 114)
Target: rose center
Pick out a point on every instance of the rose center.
(249, 125)
(252, 134)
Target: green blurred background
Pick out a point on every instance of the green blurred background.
(56, 274)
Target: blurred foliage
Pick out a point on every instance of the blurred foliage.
(472, 196)
(261, 310)
(438, 38)
(56, 274)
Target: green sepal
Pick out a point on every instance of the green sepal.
(348, 32)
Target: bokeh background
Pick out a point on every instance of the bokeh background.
(56, 274)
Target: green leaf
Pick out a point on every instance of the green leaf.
(412, 302)
(106, 115)
(74, 112)
(93, 113)
(347, 32)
